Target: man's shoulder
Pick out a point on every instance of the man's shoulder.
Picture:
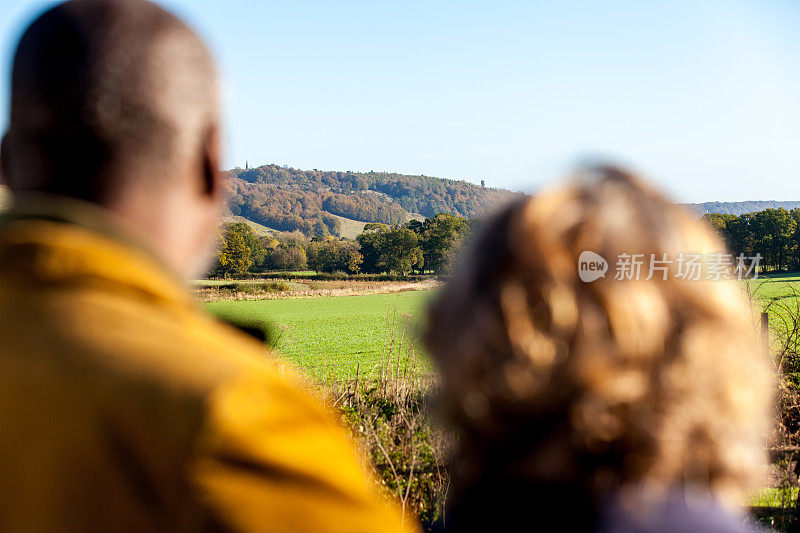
(187, 345)
(142, 342)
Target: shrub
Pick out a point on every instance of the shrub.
(408, 453)
(254, 288)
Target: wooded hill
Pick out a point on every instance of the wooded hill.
(739, 208)
(311, 201)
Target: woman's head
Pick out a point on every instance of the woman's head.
(602, 384)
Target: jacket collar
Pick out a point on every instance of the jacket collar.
(59, 239)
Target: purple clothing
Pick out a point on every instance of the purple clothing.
(524, 507)
(680, 512)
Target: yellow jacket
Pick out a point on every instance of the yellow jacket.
(125, 408)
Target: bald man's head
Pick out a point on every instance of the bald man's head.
(107, 95)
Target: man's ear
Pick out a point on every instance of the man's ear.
(212, 156)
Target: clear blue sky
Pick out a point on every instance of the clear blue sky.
(703, 96)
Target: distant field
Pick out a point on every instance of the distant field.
(258, 229)
(331, 336)
(349, 228)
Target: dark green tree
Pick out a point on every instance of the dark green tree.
(442, 236)
(331, 255)
(371, 242)
(400, 251)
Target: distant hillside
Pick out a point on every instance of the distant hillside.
(739, 208)
(320, 202)
(316, 202)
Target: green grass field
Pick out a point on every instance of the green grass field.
(776, 286)
(332, 336)
(779, 295)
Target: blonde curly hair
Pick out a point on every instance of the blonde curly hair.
(604, 385)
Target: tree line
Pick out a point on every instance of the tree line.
(773, 233)
(428, 246)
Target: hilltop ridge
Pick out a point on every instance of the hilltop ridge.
(740, 208)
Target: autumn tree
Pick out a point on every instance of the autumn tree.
(234, 256)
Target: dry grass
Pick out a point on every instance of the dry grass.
(407, 453)
(247, 290)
